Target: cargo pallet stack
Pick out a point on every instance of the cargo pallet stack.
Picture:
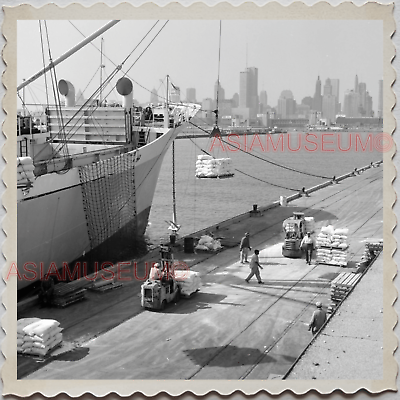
(68, 293)
(332, 246)
(340, 288)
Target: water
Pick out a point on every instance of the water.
(205, 202)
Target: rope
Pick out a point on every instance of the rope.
(265, 159)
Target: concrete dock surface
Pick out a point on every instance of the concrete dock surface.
(230, 329)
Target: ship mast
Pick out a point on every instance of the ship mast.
(67, 54)
(101, 70)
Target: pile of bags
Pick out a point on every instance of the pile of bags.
(207, 243)
(309, 224)
(25, 168)
(188, 281)
(331, 237)
(332, 245)
(208, 167)
(37, 336)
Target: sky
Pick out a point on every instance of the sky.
(289, 55)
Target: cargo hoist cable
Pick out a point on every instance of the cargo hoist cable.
(265, 159)
(245, 173)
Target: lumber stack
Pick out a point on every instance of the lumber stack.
(68, 293)
(340, 288)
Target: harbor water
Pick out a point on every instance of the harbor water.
(205, 202)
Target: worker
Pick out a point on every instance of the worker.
(254, 266)
(46, 291)
(318, 319)
(308, 245)
(244, 247)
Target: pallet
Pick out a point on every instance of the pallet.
(346, 280)
(332, 264)
(66, 300)
(105, 288)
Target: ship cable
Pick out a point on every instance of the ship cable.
(264, 159)
(57, 99)
(110, 77)
(245, 173)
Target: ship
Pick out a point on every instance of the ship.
(87, 176)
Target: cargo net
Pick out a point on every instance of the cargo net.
(109, 198)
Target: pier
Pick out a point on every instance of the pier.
(230, 329)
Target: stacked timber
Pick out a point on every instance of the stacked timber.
(68, 293)
(332, 246)
(37, 336)
(340, 288)
(209, 167)
(371, 250)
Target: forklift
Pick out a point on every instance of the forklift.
(294, 228)
(162, 288)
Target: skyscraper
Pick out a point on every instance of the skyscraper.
(263, 101)
(175, 94)
(248, 97)
(317, 106)
(154, 97)
(335, 92)
(380, 99)
(329, 103)
(191, 95)
(286, 104)
(351, 103)
(327, 87)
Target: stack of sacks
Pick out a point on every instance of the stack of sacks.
(339, 257)
(332, 245)
(309, 224)
(325, 236)
(188, 281)
(39, 336)
(207, 167)
(25, 170)
(339, 238)
(207, 243)
(21, 324)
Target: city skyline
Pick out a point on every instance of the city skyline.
(290, 60)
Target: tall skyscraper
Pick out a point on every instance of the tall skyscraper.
(356, 84)
(263, 101)
(351, 103)
(175, 94)
(327, 87)
(286, 104)
(329, 103)
(335, 92)
(191, 95)
(154, 97)
(380, 99)
(248, 97)
(362, 90)
(317, 106)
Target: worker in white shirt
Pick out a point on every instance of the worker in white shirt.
(308, 245)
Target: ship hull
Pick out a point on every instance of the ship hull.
(87, 212)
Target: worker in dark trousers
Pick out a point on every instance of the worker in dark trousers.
(308, 245)
(318, 319)
(244, 247)
(46, 291)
